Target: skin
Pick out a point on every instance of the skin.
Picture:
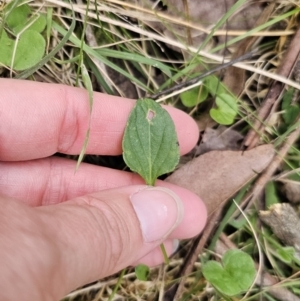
(60, 230)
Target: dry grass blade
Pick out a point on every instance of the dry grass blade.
(275, 91)
(235, 78)
(268, 173)
(175, 43)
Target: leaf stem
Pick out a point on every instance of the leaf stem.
(164, 252)
(117, 285)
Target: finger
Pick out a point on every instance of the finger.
(127, 222)
(29, 258)
(38, 120)
(51, 250)
(52, 181)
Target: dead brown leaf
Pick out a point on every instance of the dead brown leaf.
(218, 175)
(205, 14)
(292, 190)
(221, 138)
(285, 223)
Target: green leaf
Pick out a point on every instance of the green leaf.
(6, 48)
(150, 145)
(51, 54)
(226, 109)
(38, 25)
(27, 55)
(226, 102)
(142, 272)
(235, 275)
(214, 86)
(194, 96)
(17, 16)
(271, 194)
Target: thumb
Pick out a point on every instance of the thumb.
(100, 234)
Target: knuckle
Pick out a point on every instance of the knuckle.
(109, 227)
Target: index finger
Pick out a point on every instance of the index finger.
(39, 119)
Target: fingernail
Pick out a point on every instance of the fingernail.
(159, 211)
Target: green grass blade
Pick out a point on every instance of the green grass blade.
(48, 57)
(89, 86)
(100, 79)
(49, 25)
(256, 29)
(136, 58)
(100, 57)
(222, 21)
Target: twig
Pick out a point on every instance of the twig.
(274, 92)
(297, 79)
(201, 76)
(235, 78)
(270, 170)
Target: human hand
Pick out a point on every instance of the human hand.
(60, 230)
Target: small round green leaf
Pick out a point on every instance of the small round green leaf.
(212, 83)
(150, 145)
(30, 50)
(194, 96)
(17, 16)
(226, 110)
(6, 48)
(142, 272)
(214, 86)
(235, 275)
(38, 25)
